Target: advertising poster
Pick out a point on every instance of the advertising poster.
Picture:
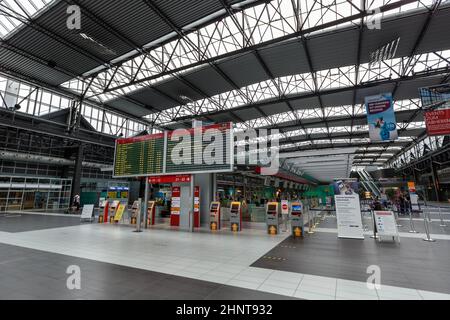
(284, 206)
(346, 186)
(348, 213)
(119, 212)
(438, 122)
(348, 210)
(381, 118)
(386, 224)
(413, 196)
(175, 206)
(196, 207)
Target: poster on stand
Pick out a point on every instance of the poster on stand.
(348, 210)
(386, 224)
(413, 196)
(348, 213)
(381, 118)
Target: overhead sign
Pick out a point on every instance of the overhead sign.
(182, 151)
(170, 179)
(348, 213)
(381, 118)
(438, 122)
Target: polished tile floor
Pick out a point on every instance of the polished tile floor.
(220, 259)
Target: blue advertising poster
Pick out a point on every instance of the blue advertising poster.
(381, 118)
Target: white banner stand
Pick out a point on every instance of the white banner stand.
(386, 226)
(87, 213)
(348, 213)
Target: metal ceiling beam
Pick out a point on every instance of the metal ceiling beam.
(421, 75)
(254, 47)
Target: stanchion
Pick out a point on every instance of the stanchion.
(442, 219)
(374, 236)
(396, 218)
(412, 229)
(427, 230)
(310, 228)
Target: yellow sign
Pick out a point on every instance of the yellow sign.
(213, 226)
(119, 213)
(272, 230)
(234, 227)
(297, 232)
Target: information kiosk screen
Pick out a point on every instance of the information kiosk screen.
(297, 208)
(234, 207)
(272, 208)
(214, 207)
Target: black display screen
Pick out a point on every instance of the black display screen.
(272, 207)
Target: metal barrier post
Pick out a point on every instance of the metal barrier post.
(374, 236)
(427, 230)
(310, 229)
(411, 223)
(396, 218)
(441, 218)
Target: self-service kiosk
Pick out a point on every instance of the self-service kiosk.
(134, 212)
(151, 209)
(235, 216)
(273, 217)
(297, 219)
(214, 216)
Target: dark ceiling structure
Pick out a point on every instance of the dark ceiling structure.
(301, 67)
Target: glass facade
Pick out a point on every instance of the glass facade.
(34, 194)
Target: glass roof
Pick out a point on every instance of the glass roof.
(13, 12)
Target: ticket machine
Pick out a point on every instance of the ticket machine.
(214, 216)
(134, 212)
(151, 209)
(297, 219)
(236, 216)
(273, 217)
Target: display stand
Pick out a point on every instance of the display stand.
(297, 225)
(151, 210)
(134, 212)
(214, 216)
(386, 226)
(235, 217)
(88, 213)
(272, 218)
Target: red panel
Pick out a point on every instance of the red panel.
(170, 179)
(438, 122)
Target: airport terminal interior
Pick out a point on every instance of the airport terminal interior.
(224, 150)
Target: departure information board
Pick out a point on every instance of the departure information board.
(139, 156)
(204, 149)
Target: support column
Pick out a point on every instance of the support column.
(146, 201)
(76, 180)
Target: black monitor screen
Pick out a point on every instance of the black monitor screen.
(272, 207)
(234, 207)
(214, 207)
(297, 208)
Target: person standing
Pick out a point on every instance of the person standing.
(76, 202)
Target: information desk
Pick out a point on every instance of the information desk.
(273, 217)
(235, 216)
(214, 216)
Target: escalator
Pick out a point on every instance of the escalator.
(368, 183)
